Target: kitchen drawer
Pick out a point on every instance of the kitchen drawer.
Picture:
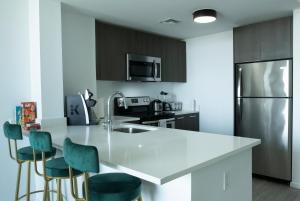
(187, 122)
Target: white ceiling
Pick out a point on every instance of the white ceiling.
(147, 14)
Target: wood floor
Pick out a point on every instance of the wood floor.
(267, 190)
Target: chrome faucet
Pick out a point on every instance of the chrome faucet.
(109, 120)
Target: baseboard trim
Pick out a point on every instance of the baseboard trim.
(295, 185)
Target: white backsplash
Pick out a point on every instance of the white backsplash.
(106, 88)
(130, 89)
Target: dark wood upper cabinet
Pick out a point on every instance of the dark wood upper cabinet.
(246, 44)
(114, 42)
(263, 41)
(111, 48)
(146, 44)
(276, 39)
(173, 61)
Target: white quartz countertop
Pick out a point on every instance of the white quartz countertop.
(158, 156)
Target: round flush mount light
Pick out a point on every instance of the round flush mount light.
(205, 16)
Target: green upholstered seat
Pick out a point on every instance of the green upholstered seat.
(42, 142)
(58, 168)
(81, 157)
(12, 131)
(102, 187)
(26, 154)
(113, 187)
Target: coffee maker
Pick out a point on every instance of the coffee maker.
(79, 109)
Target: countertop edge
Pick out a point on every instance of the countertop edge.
(207, 163)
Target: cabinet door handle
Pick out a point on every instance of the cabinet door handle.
(193, 116)
(179, 118)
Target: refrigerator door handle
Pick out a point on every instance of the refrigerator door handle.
(239, 82)
(240, 106)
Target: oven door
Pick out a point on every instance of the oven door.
(164, 123)
(143, 68)
(167, 123)
(171, 124)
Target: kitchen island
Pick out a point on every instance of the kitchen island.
(173, 164)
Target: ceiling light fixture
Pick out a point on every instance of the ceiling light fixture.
(205, 16)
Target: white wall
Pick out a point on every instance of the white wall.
(296, 101)
(51, 59)
(210, 81)
(34, 54)
(14, 80)
(46, 59)
(78, 42)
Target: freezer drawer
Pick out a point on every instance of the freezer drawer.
(264, 79)
(268, 119)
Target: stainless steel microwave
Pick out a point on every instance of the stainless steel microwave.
(143, 68)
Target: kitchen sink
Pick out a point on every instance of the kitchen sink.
(130, 130)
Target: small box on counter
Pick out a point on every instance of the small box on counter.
(26, 116)
(28, 112)
(19, 115)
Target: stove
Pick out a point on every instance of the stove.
(142, 108)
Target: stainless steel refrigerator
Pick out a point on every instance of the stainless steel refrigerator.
(263, 109)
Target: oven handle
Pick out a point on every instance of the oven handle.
(149, 122)
(157, 121)
(170, 123)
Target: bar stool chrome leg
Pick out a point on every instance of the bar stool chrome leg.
(59, 195)
(18, 181)
(28, 182)
(75, 186)
(48, 193)
(46, 188)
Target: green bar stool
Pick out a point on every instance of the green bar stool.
(13, 132)
(101, 187)
(56, 168)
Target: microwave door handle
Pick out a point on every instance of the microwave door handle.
(155, 70)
